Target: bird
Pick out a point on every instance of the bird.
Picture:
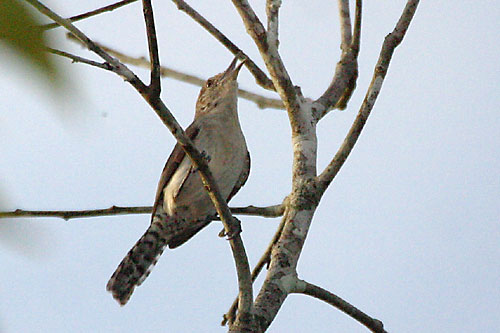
(182, 206)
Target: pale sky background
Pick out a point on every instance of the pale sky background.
(409, 231)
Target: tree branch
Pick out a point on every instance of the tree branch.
(155, 84)
(352, 50)
(301, 205)
(356, 39)
(306, 288)
(94, 12)
(306, 193)
(73, 214)
(75, 58)
(260, 77)
(345, 24)
(263, 261)
(272, 11)
(270, 211)
(391, 41)
(339, 91)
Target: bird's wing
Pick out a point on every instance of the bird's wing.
(173, 162)
(245, 172)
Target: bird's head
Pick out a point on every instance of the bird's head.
(220, 91)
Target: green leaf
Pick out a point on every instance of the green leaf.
(19, 29)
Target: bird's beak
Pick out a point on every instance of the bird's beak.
(233, 70)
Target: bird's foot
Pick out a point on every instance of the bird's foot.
(236, 230)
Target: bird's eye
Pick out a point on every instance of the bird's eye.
(209, 83)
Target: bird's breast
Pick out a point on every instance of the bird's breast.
(225, 151)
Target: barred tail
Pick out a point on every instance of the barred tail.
(137, 264)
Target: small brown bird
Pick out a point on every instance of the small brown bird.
(182, 207)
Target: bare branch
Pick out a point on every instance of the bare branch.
(339, 92)
(263, 261)
(272, 11)
(261, 101)
(301, 208)
(270, 211)
(74, 214)
(390, 43)
(155, 84)
(303, 287)
(75, 58)
(260, 77)
(345, 24)
(94, 12)
(352, 51)
(356, 39)
(306, 193)
(274, 64)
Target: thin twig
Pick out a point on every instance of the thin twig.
(261, 101)
(306, 288)
(154, 84)
(260, 77)
(345, 24)
(356, 34)
(74, 214)
(116, 66)
(83, 16)
(391, 41)
(75, 58)
(272, 11)
(270, 212)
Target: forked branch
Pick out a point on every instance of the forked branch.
(391, 41)
(273, 61)
(339, 91)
